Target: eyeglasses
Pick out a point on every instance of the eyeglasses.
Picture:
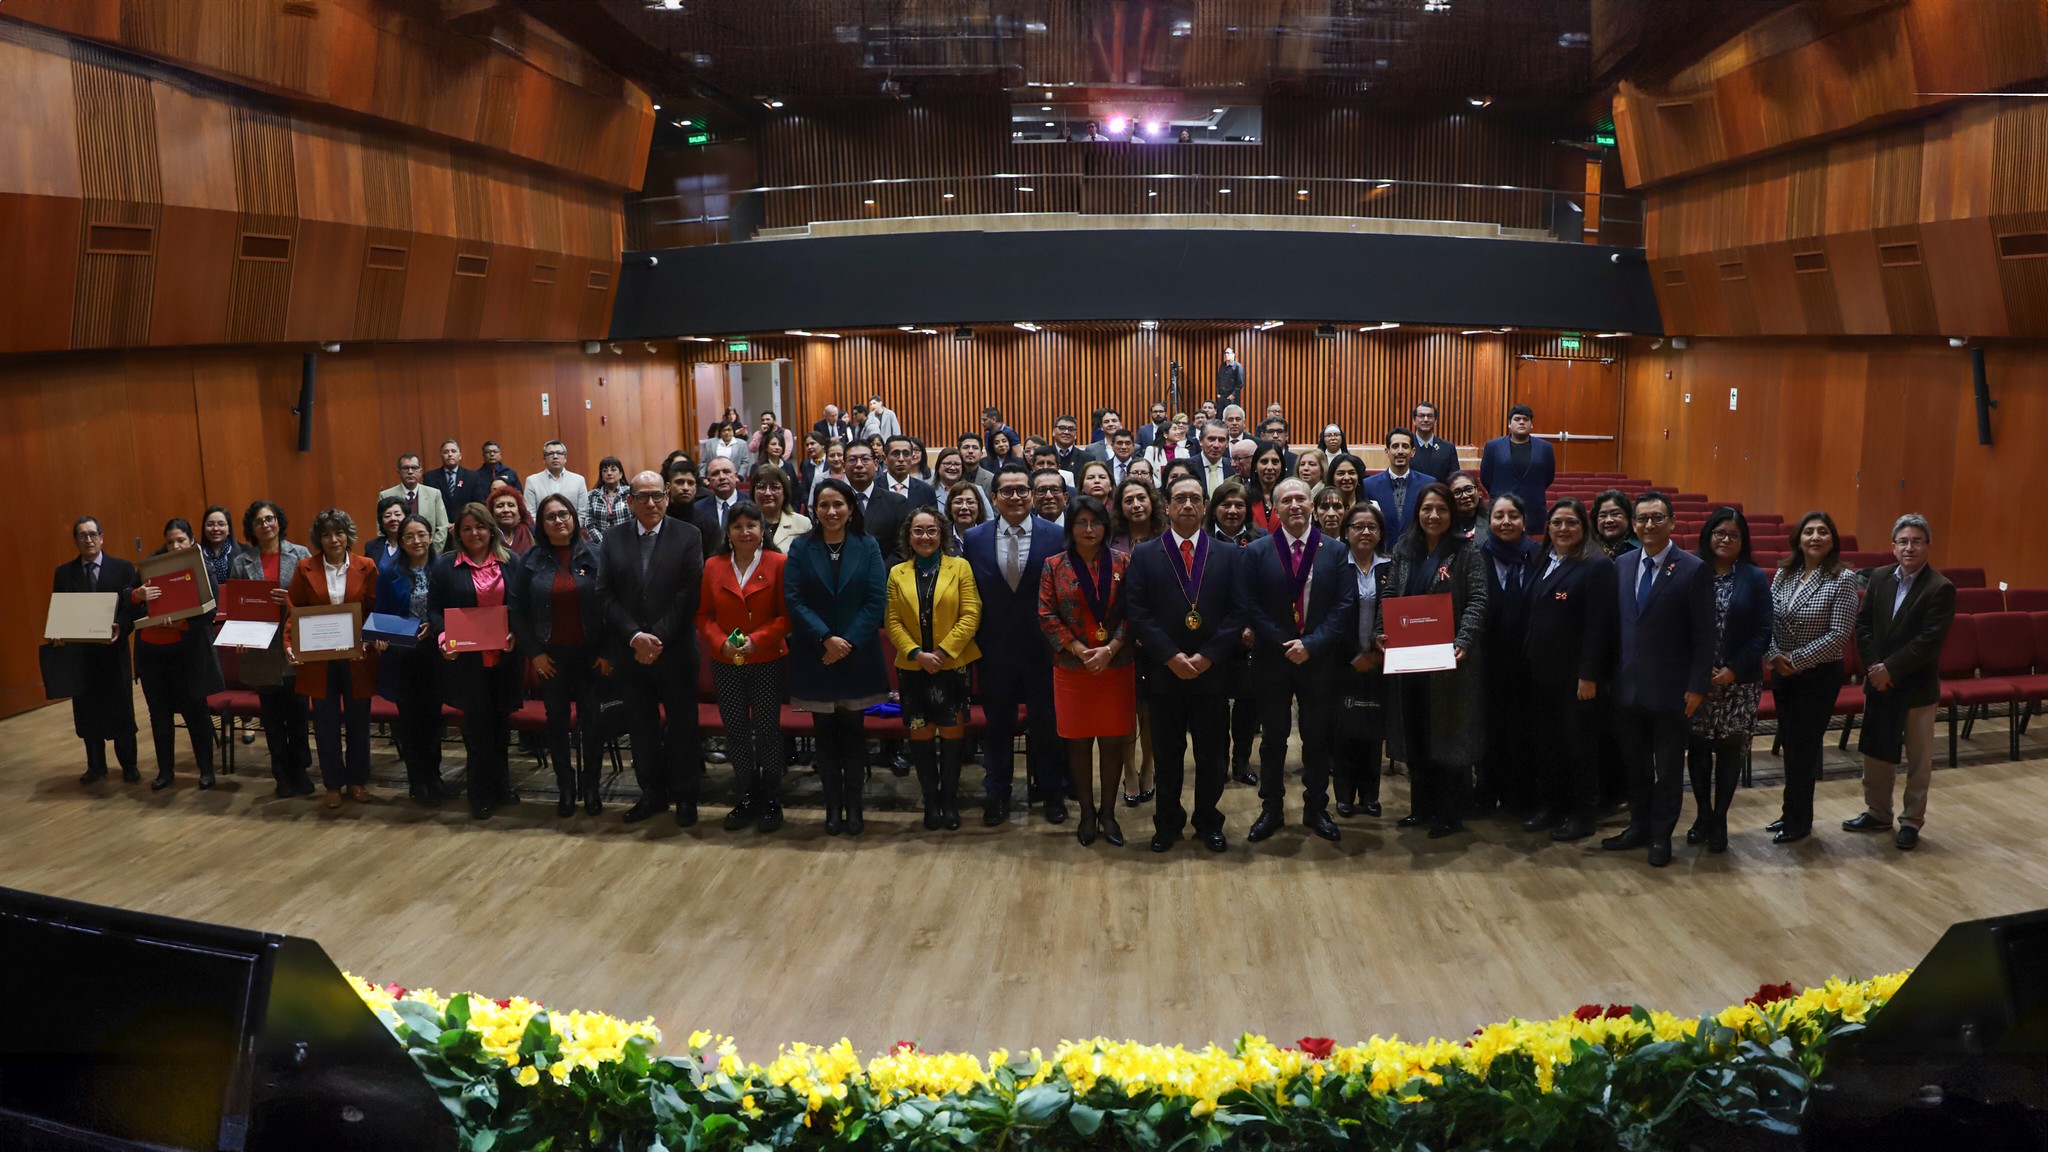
(1013, 492)
(87, 535)
(559, 516)
(1651, 518)
(1185, 498)
(1909, 542)
(647, 496)
(1726, 537)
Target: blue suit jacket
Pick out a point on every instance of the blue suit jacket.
(1668, 643)
(1748, 634)
(850, 608)
(1497, 473)
(1269, 603)
(1380, 490)
(1009, 620)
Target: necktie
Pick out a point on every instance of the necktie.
(1187, 556)
(723, 508)
(646, 553)
(1012, 570)
(93, 575)
(1513, 583)
(412, 502)
(1643, 585)
(863, 501)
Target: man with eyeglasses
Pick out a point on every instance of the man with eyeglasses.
(1007, 555)
(1180, 594)
(1049, 496)
(1433, 457)
(1667, 639)
(649, 581)
(721, 493)
(555, 479)
(495, 471)
(422, 500)
(883, 510)
(103, 704)
(1900, 629)
(1123, 448)
(1274, 430)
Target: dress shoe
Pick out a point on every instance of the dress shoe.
(1346, 809)
(1778, 825)
(205, 779)
(1085, 831)
(1541, 820)
(1146, 795)
(93, 777)
(593, 804)
(1055, 811)
(686, 813)
(1323, 826)
(1131, 801)
(1450, 828)
(1694, 834)
(1791, 835)
(1717, 841)
(1372, 809)
(740, 817)
(771, 817)
(162, 781)
(1660, 853)
(1246, 776)
(1161, 842)
(1866, 823)
(1628, 841)
(130, 776)
(481, 811)
(644, 809)
(900, 766)
(1214, 841)
(1908, 838)
(1269, 822)
(1411, 820)
(1576, 828)
(565, 804)
(1111, 831)
(333, 798)
(359, 794)
(994, 813)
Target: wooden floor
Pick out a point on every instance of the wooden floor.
(1018, 936)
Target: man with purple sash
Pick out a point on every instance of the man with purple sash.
(1298, 591)
(1180, 595)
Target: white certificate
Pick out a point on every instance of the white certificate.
(246, 634)
(327, 632)
(1421, 658)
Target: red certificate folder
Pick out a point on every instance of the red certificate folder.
(249, 600)
(179, 595)
(1420, 631)
(477, 629)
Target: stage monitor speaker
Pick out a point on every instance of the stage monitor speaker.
(1983, 388)
(133, 1031)
(309, 367)
(1958, 1059)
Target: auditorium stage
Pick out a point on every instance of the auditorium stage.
(1018, 936)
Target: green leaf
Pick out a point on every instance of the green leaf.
(1085, 1118)
(1040, 1103)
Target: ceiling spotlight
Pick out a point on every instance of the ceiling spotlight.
(1026, 188)
(1149, 325)
(928, 331)
(591, 347)
(616, 350)
(1045, 108)
(1301, 191)
(657, 107)
(1051, 124)
(1436, 5)
(671, 4)
(1152, 127)
(1380, 327)
(1026, 325)
(1479, 101)
(827, 335)
(1211, 127)
(1958, 341)
(649, 345)
(331, 346)
(1216, 111)
(795, 332)
(1610, 335)
(1152, 193)
(698, 339)
(1223, 191)
(946, 196)
(1476, 332)
(775, 103)
(906, 327)
(869, 203)
(1270, 325)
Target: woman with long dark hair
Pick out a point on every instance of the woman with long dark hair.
(1720, 730)
(1569, 650)
(485, 686)
(273, 559)
(1139, 515)
(835, 588)
(744, 627)
(1358, 730)
(1613, 523)
(1269, 467)
(1506, 772)
(1081, 612)
(176, 665)
(559, 622)
(407, 676)
(1813, 618)
(338, 690)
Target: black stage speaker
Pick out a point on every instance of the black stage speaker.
(1984, 401)
(1958, 1059)
(309, 367)
(133, 1032)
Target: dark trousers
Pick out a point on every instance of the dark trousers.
(172, 697)
(1568, 749)
(750, 705)
(1357, 735)
(418, 730)
(1279, 689)
(1045, 756)
(1653, 745)
(282, 712)
(573, 684)
(668, 758)
(489, 740)
(1177, 718)
(96, 754)
(1438, 792)
(1806, 700)
(1244, 729)
(1507, 770)
(337, 710)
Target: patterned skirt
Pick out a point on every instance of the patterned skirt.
(1728, 710)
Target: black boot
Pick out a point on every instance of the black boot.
(743, 815)
(1699, 768)
(565, 788)
(593, 801)
(768, 806)
(952, 757)
(1727, 774)
(829, 777)
(853, 778)
(923, 757)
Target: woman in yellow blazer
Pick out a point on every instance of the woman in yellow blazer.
(934, 611)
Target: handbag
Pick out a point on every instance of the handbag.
(63, 672)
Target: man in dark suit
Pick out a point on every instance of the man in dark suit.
(495, 471)
(1518, 462)
(1667, 639)
(1123, 448)
(900, 475)
(1433, 456)
(1108, 423)
(685, 492)
(1007, 555)
(104, 707)
(1398, 489)
(458, 485)
(1274, 430)
(885, 511)
(1180, 594)
(1298, 592)
(1229, 381)
(1900, 628)
(721, 492)
(1067, 450)
(1148, 433)
(649, 581)
(836, 426)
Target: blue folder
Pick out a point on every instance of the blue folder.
(397, 631)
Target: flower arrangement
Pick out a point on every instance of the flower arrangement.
(516, 1075)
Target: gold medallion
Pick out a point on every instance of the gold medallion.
(1101, 634)
(1194, 620)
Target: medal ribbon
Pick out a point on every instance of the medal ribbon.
(1098, 589)
(1189, 579)
(1297, 578)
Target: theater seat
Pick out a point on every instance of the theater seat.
(2025, 599)
(1961, 690)
(1964, 577)
(232, 705)
(2005, 663)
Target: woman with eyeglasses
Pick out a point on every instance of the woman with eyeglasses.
(1569, 646)
(556, 615)
(1359, 727)
(406, 676)
(1332, 442)
(768, 486)
(1614, 529)
(1506, 773)
(743, 626)
(274, 559)
(1813, 621)
(1468, 518)
(339, 690)
(1094, 679)
(1717, 741)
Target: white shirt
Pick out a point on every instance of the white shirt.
(1906, 581)
(725, 506)
(337, 579)
(1654, 563)
(1368, 591)
(1555, 561)
(543, 484)
(747, 573)
(1217, 472)
(901, 487)
(1022, 533)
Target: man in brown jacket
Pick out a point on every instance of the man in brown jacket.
(1900, 628)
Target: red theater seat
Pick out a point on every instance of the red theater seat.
(1974, 601)
(2025, 599)
(1964, 577)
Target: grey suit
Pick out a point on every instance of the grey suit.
(432, 508)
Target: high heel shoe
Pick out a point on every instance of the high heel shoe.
(1131, 801)
(1085, 832)
(1112, 832)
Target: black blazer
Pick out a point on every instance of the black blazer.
(1230, 383)
(922, 494)
(1747, 635)
(1157, 609)
(664, 605)
(1440, 459)
(1571, 621)
(531, 595)
(1269, 603)
(884, 516)
(469, 488)
(1908, 644)
(116, 575)
(465, 682)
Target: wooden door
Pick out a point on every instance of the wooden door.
(1578, 408)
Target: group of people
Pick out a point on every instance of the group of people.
(1127, 605)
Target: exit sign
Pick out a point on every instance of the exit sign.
(698, 138)
(738, 346)
(1568, 343)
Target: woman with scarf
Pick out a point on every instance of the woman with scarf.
(1094, 677)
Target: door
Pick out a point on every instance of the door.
(1578, 408)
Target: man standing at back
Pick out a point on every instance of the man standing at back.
(1007, 555)
(649, 581)
(1668, 639)
(421, 499)
(555, 479)
(1148, 433)
(459, 486)
(902, 478)
(1900, 629)
(880, 421)
(495, 471)
(1229, 381)
(1214, 462)
(1518, 462)
(1398, 489)
(1434, 457)
(884, 511)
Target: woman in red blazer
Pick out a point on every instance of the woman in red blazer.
(745, 631)
(1094, 673)
(339, 690)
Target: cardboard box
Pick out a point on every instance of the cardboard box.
(82, 617)
(187, 588)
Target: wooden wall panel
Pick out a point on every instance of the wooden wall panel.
(139, 437)
(134, 194)
(1864, 428)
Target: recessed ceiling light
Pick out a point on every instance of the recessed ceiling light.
(906, 327)
(1223, 191)
(1153, 193)
(1270, 325)
(1149, 325)
(1045, 108)
(1051, 124)
(946, 196)
(869, 203)
(1025, 188)
(1479, 101)
(1301, 191)
(1610, 335)
(1026, 325)
(657, 107)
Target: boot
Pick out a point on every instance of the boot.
(593, 802)
(745, 813)
(952, 755)
(769, 805)
(853, 778)
(565, 789)
(1081, 780)
(829, 777)
(922, 757)
(1699, 767)
(1727, 774)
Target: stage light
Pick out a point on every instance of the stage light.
(1149, 325)
(1223, 191)
(1610, 335)
(1026, 325)
(946, 196)
(1118, 125)
(1026, 188)
(906, 327)
(794, 332)
(1270, 325)
(1479, 101)
(1380, 327)
(1476, 331)
(1152, 127)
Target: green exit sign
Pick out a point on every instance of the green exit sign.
(1603, 132)
(705, 138)
(738, 346)
(1568, 343)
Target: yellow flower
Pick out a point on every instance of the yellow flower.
(528, 1076)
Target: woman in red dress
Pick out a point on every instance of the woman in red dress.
(1094, 676)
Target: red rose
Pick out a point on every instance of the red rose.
(1771, 994)
(1318, 1047)
(1586, 1012)
(394, 991)
(502, 1003)
(903, 1046)
(1618, 1012)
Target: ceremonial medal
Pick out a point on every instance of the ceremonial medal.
(1101, 634)
(1193, 620)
